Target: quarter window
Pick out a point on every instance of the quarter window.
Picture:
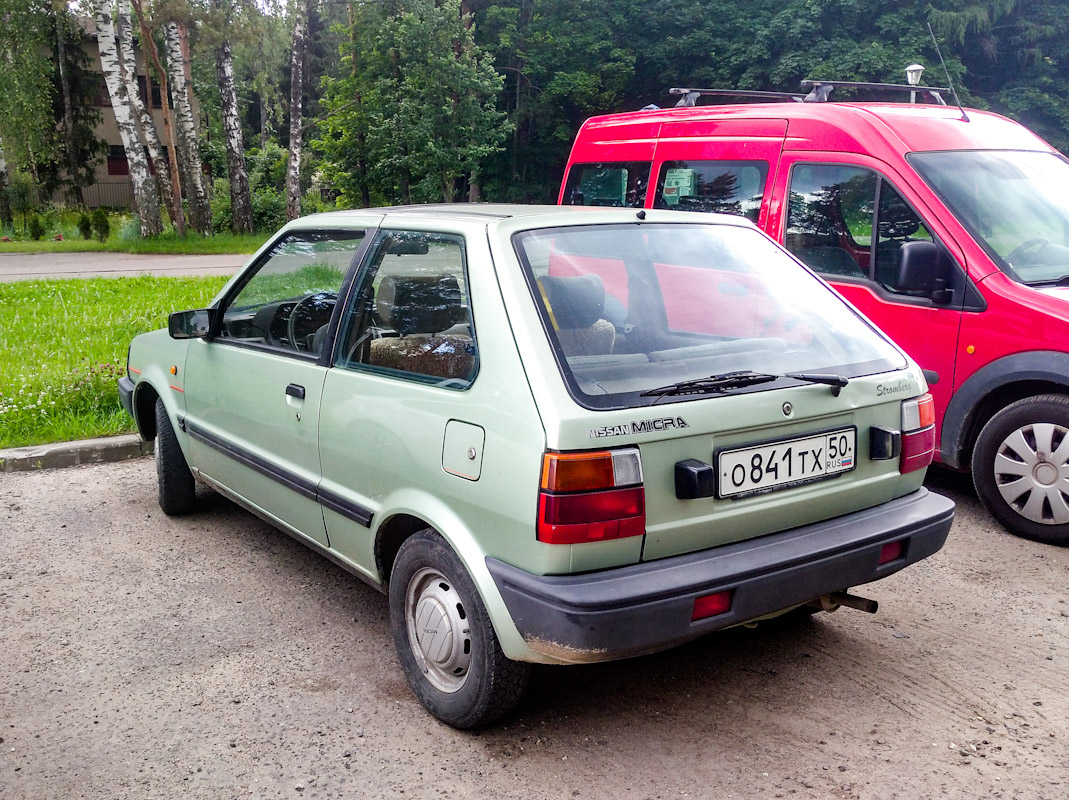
(727, 187)
(409, 316)
(621, 184)
(287, 302)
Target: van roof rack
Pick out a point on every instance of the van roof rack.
(819, 92)
(690, 96)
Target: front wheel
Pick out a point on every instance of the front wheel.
(444, 638)
(1020, 468)
(177, 487)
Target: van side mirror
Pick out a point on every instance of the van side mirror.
(924, 270)
(190, 324)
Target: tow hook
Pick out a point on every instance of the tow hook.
(831, 602)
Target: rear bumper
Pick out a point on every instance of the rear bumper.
(647, 607)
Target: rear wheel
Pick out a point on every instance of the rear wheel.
(1020, 468)
(176, 485)
(445, 641)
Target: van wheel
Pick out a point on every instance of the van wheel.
(176, 485)
(444, 639)
(1020, 468)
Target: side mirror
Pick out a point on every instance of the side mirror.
(190, 324)
(924, 270)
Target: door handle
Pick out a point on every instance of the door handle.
(293, 390)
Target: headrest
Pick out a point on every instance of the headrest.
(423, 304)
(898, 221)
(574, 302)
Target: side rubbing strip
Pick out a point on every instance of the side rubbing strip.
(303, 487)
(300, 485)
(356, 513)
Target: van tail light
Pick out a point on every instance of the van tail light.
(918, 433)
(591, 497)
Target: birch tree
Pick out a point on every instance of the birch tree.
(186, 128)
(293, 171)
(142, 117)
(151, 54)
(146, 199)
(240, 196)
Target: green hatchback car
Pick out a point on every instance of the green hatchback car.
(549, 434)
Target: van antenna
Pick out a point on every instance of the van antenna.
(946, 72)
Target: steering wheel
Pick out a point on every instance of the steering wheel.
(1037, 244)
(309, 314)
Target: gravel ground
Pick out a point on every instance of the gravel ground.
(212, 657)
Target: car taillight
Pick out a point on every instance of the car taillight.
(918, 433)
(591, 497)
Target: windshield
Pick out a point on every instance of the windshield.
(636, 307)
(1013, 203)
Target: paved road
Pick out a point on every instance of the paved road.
(210, 656)
(22, 266)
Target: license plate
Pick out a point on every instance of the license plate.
(788, 462)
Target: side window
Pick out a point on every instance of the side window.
(728, 187)
(829, 221)
(287, 303)
(831, 218)
(896, 224)
(620, 184)
(409, 316)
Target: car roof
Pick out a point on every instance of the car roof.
(458, 211)
(907, 127)
(518, 216)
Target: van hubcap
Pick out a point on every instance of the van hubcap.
(438, 629)
(1032, 472)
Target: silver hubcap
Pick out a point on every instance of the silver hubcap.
(438, 629)
(1032, 472)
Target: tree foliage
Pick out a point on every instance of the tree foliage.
(31, 105)
(26, 122)
(416, 115)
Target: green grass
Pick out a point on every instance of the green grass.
(167, 243)
(63, 348)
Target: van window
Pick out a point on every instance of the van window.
(727, 187)
(1013, 203)
(620, 183)
(833, 213)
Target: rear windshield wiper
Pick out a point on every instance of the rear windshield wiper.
(740, 379)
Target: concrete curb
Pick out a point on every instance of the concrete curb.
(70, 454)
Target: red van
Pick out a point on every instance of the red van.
(949, 228)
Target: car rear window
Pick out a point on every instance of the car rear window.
(629, 308)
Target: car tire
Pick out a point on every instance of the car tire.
(177, 489)
(444, 638)
(1020, 468)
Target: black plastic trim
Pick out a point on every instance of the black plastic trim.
(126, 395)
(301, 486)
(1048, 366)
(340, 505)
(647, 607)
